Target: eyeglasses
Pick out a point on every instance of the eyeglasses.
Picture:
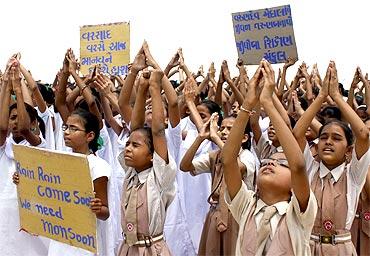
(282, 162)
(72, 129)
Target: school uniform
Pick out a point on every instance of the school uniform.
(154, 191)
(290, 228)
(337, 192)
(220, 230)
(105, 241)
(264, 148)
(360, 230)
(14, 242)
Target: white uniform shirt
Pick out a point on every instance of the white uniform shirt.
(356, 176)
(160, 180)
(299, 223)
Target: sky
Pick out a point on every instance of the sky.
(324, 31)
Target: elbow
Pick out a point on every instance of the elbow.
(364, 133)
(185, 167)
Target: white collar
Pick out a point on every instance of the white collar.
(142, 176)
(281, 206)
(336, 172)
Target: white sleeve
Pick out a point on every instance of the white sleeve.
(306, 218)
(308, 158)
(359, 167)
(165, 173)
(99, 167)
(248, 159)
(201, 164)
(240, 203)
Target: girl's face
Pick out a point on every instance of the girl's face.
(271, 133)
(203, 112)
(137, 153)
(75, 135)
(275, 173)
(225, 128)
(333, 146)
(13, 123)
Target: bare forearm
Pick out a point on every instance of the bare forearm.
(125, 95)
(186, 164)
(138, 113)
(173, 105)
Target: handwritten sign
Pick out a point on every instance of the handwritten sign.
(106, 45)
(54, 194)
(265, 33)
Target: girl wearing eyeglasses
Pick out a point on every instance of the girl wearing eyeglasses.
(276, 219)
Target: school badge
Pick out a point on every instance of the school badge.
(130, 227)
(328, 225)
(367, 216)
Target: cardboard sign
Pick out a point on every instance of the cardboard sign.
(106, 45)
(54, 194)
(265, 33)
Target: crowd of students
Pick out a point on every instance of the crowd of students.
(199, 165)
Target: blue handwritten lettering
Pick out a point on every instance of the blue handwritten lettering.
(277, 41)
(97, 35)
(100, 47)
(80, 199)
(30, 174)
(247, 45)
(25, 204)
(119, 70)
(50, 178)
(97, 60)
(67, 233)
(117, 46)
(239, 28)
(60, 195)
(48, 211)
(274, 24)
(275, 57)
(246, 16)
(279, 12)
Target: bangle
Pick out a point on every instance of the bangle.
(249, 112)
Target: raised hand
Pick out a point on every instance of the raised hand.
(356, 78)
(204, 132)
(189, 90)
(149, 58)
(269, 82)
(333, 82)
(213, 126)
(174, 62)
(289, 62)
(225, 70)
(103, 84)
(73, 64)
(325, 83)
(139, 62)
(254, 88)
(212, 70)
